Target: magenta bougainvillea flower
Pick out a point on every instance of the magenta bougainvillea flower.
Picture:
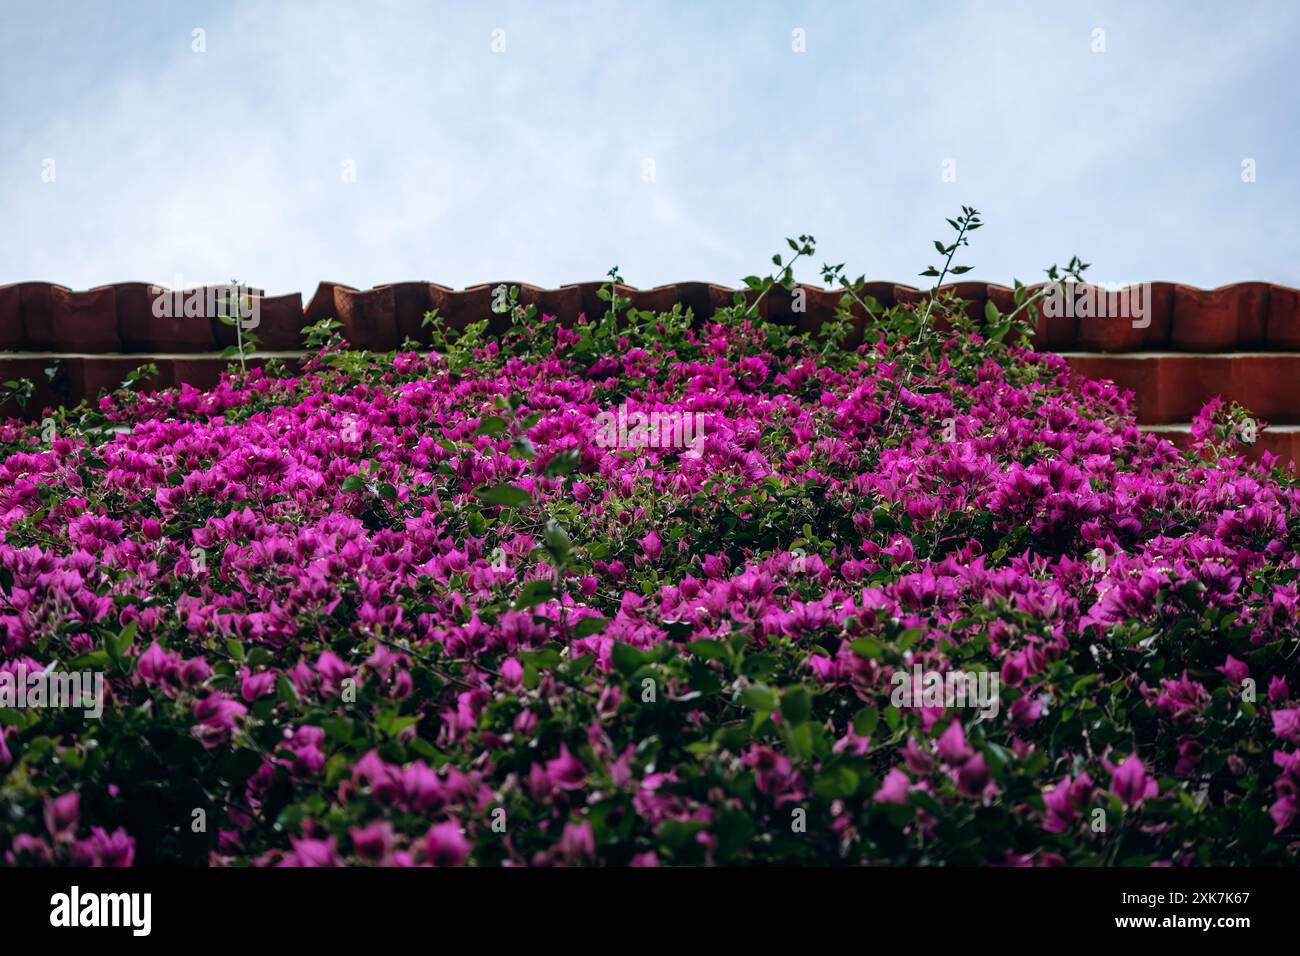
(421, 610)
(1131, 783)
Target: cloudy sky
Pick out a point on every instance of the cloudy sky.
(462, 142)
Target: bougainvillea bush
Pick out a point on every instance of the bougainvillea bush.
(433, 608)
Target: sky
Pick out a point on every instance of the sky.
(284, 143)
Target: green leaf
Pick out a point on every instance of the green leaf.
(867, 647)
(117, 644)
(338, 728)
(734, 829)
(71, 758)
(908, 638)
(558, 543)
(796, 704)
(547, 657)
(760, 697)
(676, 834)
(865, 721)
(711, 650)
(799, 740)
(563, 463)
(126, 637)
(589, 626)
(626, 658)
(507, 496)
(260, 657)
(398, 724)
(837, 783)
(94, 660)
(353, 483)
(537, 591)
(492, 425)
(424, 749)
(285, 689)
(926, 802)
(336, 768)
(39, 749)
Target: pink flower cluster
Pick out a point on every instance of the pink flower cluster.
(326, 619)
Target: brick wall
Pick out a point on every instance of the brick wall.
(1240, 341)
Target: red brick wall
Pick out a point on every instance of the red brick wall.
(1240, 341)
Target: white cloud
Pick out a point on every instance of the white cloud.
(475, 166)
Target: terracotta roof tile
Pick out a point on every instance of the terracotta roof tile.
(1239, 341)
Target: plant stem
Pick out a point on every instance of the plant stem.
(929, 305)
(753, 309)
